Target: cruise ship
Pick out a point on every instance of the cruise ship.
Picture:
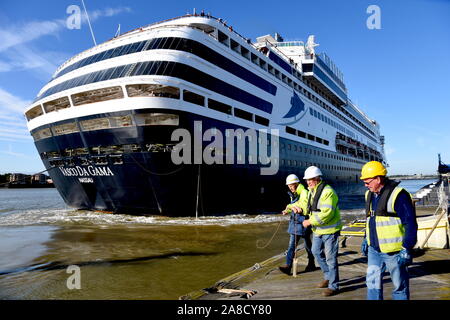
(138, 124)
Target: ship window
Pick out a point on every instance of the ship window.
(80, 152)
(262, 64)
(245, 53)
(193, 98)
(254, 58)
(271, 69)
(290, 130)
(301, 134)
(243, 114)
(319, 140)
(34, 112)
(153, 90)
(234, 45)
(121, 121)
(223, 38)
(261, 120)
(65, 128)
(219, 106)
(311, 137)
(157, 119)
(57, 104)
(277, 74)
(52, 154)
(325, 142)
(97, 95)
(129, 148)
(95, 124)
(42, 134)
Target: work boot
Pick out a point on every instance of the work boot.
(285, 269)
(329, 292)
(323, 284)
(311, 266)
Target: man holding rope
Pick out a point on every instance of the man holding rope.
(321, 206)
(296, 230)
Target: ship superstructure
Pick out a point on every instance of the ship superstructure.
(104, 125)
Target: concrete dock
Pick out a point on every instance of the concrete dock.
(429, 275)
(430, 278)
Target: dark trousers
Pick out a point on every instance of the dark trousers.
(293, 242)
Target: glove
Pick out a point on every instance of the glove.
(404, 258)
(364, 247)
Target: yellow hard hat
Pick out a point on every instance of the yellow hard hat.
(373, 169)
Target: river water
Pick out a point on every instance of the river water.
(129, 257)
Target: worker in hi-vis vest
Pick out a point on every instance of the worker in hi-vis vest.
(296, 230)
(321, 205)
(391, 232)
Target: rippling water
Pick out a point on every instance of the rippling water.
(129, 257)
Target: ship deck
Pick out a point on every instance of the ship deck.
(429, 278)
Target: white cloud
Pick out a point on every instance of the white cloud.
(13, 125)
(20, 34)
(16, 39)
(12, 103)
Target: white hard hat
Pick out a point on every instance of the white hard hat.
(312, 172)
(292, 178)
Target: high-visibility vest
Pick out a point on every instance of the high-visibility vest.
(389, 228)
(299, 193)
(322, 207)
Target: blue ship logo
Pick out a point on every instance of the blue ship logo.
(297, 108)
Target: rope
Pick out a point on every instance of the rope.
(268, 242)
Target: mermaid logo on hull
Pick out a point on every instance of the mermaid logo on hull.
(86, 172)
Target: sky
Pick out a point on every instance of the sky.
(398, 73)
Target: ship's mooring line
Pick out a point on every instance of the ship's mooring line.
(268, 242)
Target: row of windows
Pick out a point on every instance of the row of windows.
(146, 90)
(165, 68)
(104, 94)
(337, 114)
(318, 153)
(179, 44)
(318, 73)
(324, 118)
(139, 119)
(330, 72)
(224, 108)
(113, 150)
(325, 166)
(306, 135)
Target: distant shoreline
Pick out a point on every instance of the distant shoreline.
(415, 177)
(27, 186)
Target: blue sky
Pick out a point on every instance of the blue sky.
(398, 75)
